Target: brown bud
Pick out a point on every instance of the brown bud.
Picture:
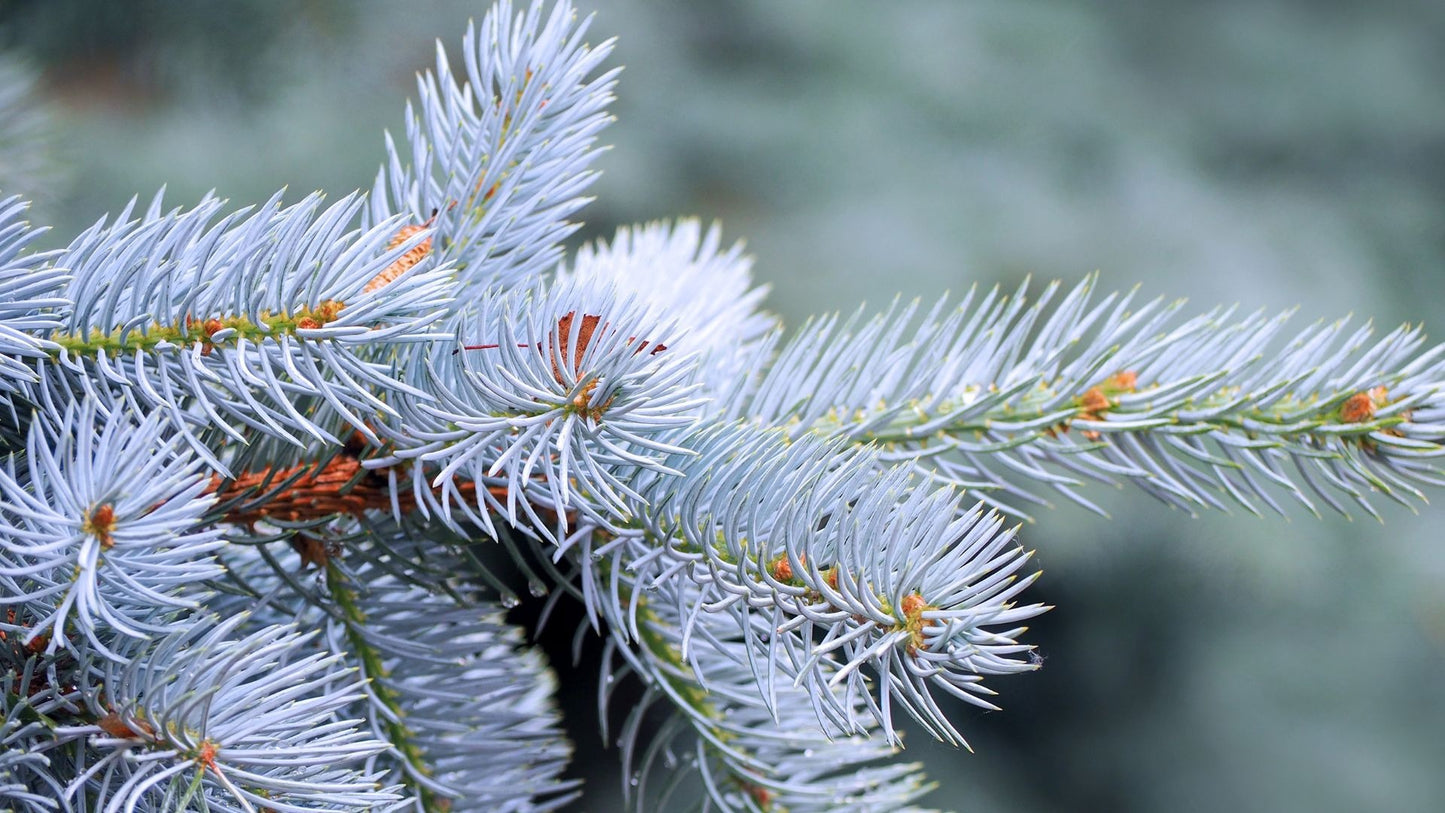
(100, 523)
(1361, 406)
(1094, 400)
(783, 569)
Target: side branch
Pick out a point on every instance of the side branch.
(1005, 397)
(314, 491)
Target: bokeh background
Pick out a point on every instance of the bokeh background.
(1271, 153)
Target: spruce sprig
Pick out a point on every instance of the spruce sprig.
(270, 473)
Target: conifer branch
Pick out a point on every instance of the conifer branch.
(498, 159)
(1005, 398)
(254, 460)
(99, 532)
(755, 751)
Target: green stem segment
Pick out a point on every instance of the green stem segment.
(402, 739)
(1031, 421)
(193, 330)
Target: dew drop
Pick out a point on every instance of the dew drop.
(510, 600)
(537, 589)
(634, 781)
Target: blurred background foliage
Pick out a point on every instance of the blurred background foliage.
(1272, 153)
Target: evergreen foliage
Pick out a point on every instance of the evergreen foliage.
(257, 461)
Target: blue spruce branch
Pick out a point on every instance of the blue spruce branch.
(270, 473)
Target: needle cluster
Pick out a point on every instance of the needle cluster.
(258, 469)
